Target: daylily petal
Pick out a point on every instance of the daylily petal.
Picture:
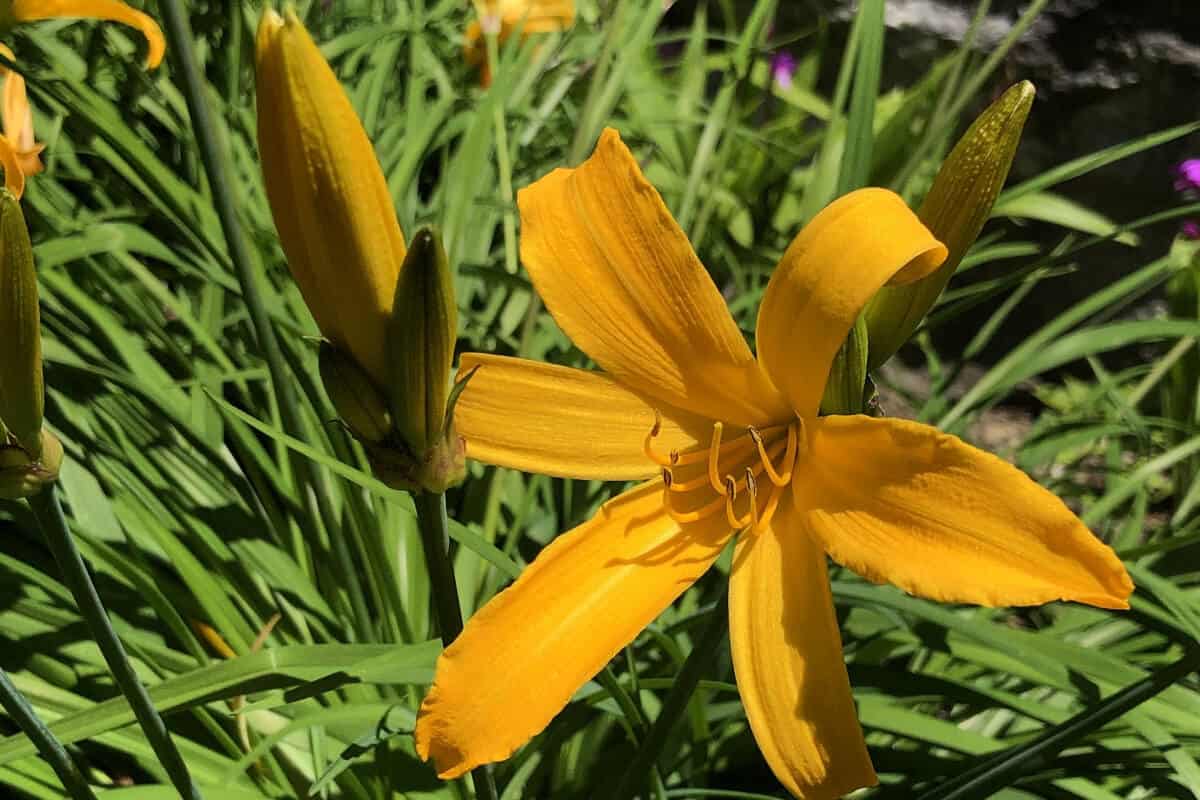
(523, 655)
(904, 503)
(531, 16)
(571, 423)
(833, 267)
(18, 118)
(787, 656)
(328, 196)
(10, 160)
(622, 281)
(29, 10)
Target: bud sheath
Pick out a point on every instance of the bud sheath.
(422, 333)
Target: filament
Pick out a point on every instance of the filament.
(788, 458)
(648, 443)
(727, 488)
(714, 455)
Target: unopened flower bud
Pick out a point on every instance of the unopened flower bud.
(421, 337)
(955, 209)
(327, 192)
(359, 402)
(21, 392)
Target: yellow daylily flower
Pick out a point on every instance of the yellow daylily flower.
(17, 119)
(20, 154)
(738, 447)
(19, 11)
(507, 16)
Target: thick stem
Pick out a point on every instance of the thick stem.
(435, 538)
(50, 518)
(675, 704)
(12, 701)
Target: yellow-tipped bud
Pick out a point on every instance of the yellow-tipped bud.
(844, 391)
(21, 392)
(955, 209)
(423, 330)
(327, 192)
(13, 12)
(359, 402)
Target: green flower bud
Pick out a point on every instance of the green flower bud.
(420, 346)
(958, 204)
(845, 390)
(24, 476)
(21, 392)
(358, 401)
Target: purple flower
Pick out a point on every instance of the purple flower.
(1190, 229)
(1187, 175)
(783, 67)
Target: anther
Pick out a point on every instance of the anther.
(789, 456)
(752, 487)
(730, 497)
(648, 443)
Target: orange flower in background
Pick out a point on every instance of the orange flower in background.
(20, 153)
(17, 119)
(733, 445)
(19, 11)
(506, 17)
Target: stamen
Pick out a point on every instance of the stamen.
(648, 446)
(690, 485)
(714, 455)
(788, 458)
(684, 517)
(731, 496)
(752, 485)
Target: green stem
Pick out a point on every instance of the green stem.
(180, 37)
(12, 701)
(48, 511)
(503, 162)
(676, 702)
(435, 538)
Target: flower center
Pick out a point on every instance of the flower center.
(733, 470)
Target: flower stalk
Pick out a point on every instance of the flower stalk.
(434, 525)
(48, 746)
(53, 523)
